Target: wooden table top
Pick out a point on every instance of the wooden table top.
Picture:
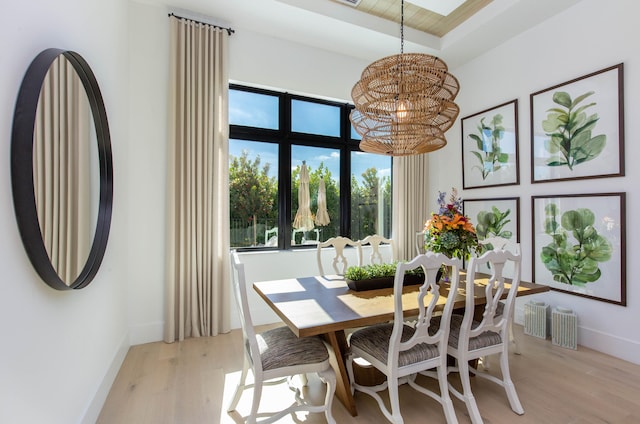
(323, 304)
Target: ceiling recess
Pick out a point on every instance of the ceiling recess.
(353, 3)
(441, 7)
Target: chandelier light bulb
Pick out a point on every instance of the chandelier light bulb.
(402, 110)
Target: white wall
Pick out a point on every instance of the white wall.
(147, 154)
(60, 350)
(586, 38)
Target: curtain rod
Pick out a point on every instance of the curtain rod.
(229, 30)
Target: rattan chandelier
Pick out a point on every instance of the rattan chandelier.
(404, 103)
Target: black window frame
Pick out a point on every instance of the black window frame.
(286, 138)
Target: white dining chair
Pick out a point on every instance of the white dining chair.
(420, 242)
(271, 237)
(375, 241)
(470, 340)
(275, 356)
(339, 261)
(502, 243)
(400, 351)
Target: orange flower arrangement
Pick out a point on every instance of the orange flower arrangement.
(450, 231)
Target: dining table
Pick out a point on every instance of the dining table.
(325, 306)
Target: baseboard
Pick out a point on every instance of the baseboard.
(625, 349)
(628, 350)
(92, 413)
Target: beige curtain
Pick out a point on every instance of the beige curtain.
(198, 208)
(411, 202)
(61, 149)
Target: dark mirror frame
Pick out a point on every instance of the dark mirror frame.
(24, 200)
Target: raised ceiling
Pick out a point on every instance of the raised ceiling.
(371, 30)
(417, 17)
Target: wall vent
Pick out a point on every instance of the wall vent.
(535, 319)
(564, 328)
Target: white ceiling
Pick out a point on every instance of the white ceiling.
(332, 26)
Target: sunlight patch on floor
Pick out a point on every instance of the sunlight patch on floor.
(274, 398)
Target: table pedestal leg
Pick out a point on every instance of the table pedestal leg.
(338, 342)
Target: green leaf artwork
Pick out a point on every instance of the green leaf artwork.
(491, 224)
(489, 152)
(569, 130)
(573, 264)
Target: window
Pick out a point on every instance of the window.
(315, 118)
(253, 193)
(272, 136)
(253, 109)
(370, 195)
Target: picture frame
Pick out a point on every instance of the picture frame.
(594, 225)
(495, 217)
(490, 147)
(594, 145)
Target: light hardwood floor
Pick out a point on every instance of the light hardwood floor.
(191, 382)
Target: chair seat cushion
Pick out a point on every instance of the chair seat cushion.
(375, 341)
(486, 339)
(280, 348)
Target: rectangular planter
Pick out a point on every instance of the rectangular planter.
(383, 282)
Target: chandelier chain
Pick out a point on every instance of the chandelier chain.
(402, 27)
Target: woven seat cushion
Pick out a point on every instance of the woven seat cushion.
(281, 348)
(375, 341)
(486, 339)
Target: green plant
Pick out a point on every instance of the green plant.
(575, 264)
(367, 272)
(491, 223)
(356, 273)
(569, 130)
(449, 231)
(489, 152)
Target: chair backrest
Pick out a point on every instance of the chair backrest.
(239, 285)
(420, 243)
(497, 260)
(500, 243)
(293, 236)
(314, 236)
(428, 297)
(375, 241)
(273, 232)
(339, 262)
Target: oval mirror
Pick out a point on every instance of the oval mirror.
(61, 169)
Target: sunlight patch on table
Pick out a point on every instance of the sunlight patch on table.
(331, 281)
(310, 309)
(282, 286)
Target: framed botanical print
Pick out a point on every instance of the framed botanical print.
(490, 147)
(495, 217)
(579, 245)
(577, 128)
